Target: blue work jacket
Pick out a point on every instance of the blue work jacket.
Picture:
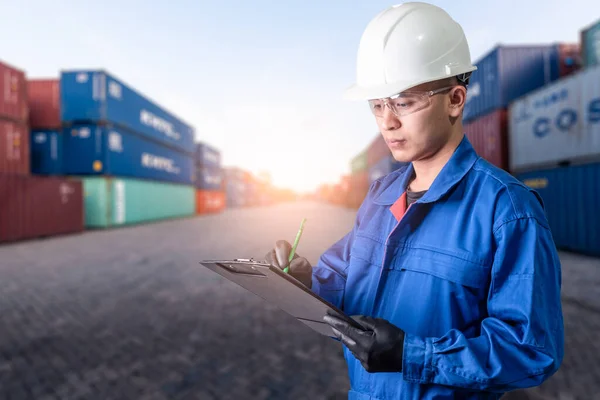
(470, 273)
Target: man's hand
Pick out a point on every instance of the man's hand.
(379, 348)
(300, 268)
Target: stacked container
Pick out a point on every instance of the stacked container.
(236, 187)
(126, 149)
(30, 206)
(590, 45)
(210, 195)
(359, 180)
(555, 148)
(503, 75)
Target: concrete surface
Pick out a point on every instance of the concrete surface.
(129, 314)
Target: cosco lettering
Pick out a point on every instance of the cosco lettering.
(566, 119)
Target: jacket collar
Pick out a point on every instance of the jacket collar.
(456, 168)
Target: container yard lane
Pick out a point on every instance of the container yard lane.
(129, 313)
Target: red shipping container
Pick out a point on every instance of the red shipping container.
(35, 206)
(570, 59)
(359, 187)
(489, 136)
(378, 150)
(13, 94)
(14, 148)
(43, 98)
(209, 201)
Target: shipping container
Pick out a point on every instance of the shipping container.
(13, 94)
(489, 136)
(207, 156)
(113, 201)
(377, 150)
(359, 163)
(46, 152)
(210, 201)
(43, 98)
(235, 192)
(570, 58)
(108, 150)
(209, 178)
(96, 96)
(571, 195)
(557, 124)
(34, 206)
(384, 167)
(14, 148)
(509, 72)
(359, 187)
(590, 45)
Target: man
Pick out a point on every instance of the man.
(450, 266)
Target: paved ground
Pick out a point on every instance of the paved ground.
(129, 314)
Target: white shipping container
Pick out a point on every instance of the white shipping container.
(558, 123)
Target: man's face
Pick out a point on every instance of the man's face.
(420, 135)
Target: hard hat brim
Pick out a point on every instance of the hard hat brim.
(357, 92)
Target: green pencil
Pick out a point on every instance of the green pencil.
(287, 269)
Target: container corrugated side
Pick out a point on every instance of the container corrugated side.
(207, 156)
(108, 150)
(96, 96)
(13, 94)
(113, 202)
(33, 207)
(209, 178)
(590, 45)
(489, 136)
(210, 201)
(571, 195)
(557, 124)
(384, 167)
(359, 163)
(236, 193)
(46, 152)
(377, 150)
(14, 148)
(509, 72)
(43, 99)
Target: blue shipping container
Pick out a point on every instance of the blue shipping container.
(571, 195)
(207, 156)
(46, 152)
(95, 96)
(590, 40)
(108, 150)
(383, 167)
(235, 193)
(509, 72)
(209, 178)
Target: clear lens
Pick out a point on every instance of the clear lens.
(404, 103)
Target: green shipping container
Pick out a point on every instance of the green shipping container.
(359, 163)
(590, 45)
(112, 202)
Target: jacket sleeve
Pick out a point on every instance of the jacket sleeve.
(329, 275)
(521, 340)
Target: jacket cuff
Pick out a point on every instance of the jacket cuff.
(416, 359)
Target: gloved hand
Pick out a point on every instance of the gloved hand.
(300, 268)
(379, 348)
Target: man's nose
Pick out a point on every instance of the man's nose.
(389, 120)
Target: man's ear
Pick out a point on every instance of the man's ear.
(458, 98)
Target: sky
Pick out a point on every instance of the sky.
(260, 80)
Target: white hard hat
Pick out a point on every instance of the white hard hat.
(407, 45)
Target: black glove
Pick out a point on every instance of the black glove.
(300, 268)
(379, 348)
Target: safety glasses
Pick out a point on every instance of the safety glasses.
(405, 103)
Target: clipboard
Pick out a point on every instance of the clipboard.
(280, 289)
